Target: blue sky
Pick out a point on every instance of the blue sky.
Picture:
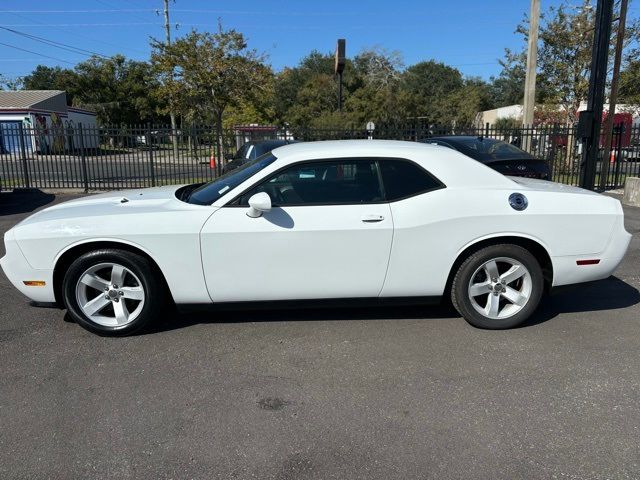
(468, 34)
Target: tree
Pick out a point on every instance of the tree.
(564, 62)
(564, 58)
(508, 87)
(314, 69)
(315, 99)
(379, 68)
(117, 89)
(425, 84)
(629, 91)
(52, 78)
(7, 83)
(213, 71)
(460, 107)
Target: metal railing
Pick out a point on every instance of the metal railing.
(107, 158)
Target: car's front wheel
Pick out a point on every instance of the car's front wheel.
(113, 292)
(499, 286)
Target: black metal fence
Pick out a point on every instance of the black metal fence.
(105, 158)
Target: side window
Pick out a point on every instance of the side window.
(403, 179)
(342, 181)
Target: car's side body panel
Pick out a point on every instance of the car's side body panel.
(165, 228)
(293, 253)
(432, 230)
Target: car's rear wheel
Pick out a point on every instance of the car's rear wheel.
(113, 292)
(499, 286)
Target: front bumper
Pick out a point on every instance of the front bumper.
(17, 269)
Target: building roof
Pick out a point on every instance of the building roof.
(54, 100)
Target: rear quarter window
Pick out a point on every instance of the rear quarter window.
(404, 178)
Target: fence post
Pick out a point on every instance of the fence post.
(83, 159)
(150, 147)
(486, 130)
(554, 148)
(23, 156)
(618, 158)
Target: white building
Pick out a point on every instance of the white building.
(515, 112)
(47, 123)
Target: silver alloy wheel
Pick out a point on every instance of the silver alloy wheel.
(110, 294)
(500, 288)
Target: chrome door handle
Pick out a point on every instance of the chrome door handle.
(372, 218)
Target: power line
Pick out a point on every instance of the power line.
(471, 64)
(217, 12)
(121, 24)
(213, 23)
(53, 43)
(133, 11)
(76, 34)
(114, 10)
(37, 53)
(18, 59)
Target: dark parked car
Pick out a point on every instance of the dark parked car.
(252, 150)
(501, 156)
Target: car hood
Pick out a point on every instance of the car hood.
(119, 202)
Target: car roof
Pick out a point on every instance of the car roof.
(450, 166)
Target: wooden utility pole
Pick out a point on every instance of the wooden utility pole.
(172, 115)
(613, 96)
(530, 79)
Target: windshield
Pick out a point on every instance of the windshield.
(210, 192)
(488, 149)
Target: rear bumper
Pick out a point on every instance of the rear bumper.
(18, 270)
(566, 270)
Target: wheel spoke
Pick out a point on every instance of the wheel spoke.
(514, 273)
(479, 288)
(117, 275)
(514, 296)
(491, 269)
(493, 305)
(94, 281)
(132, 293)
(94, 306)
(122, 314)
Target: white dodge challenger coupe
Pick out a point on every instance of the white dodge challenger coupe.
(363, 219)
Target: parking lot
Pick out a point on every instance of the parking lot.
(358, 393)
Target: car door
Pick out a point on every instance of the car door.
(328, 235)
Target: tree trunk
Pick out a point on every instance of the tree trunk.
(174, 135)
(219, 142)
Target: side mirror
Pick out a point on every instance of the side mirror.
(258, 204)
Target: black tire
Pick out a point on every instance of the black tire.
(149, 278)
(460, 296)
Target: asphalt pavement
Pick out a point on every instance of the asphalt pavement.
(358, 393)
